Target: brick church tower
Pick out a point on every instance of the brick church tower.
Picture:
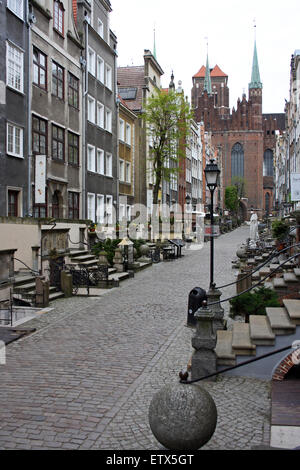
(245, 137)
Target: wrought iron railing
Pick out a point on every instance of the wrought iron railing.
(273, 255)
(85, 277)
(250, 361)
(258, 283)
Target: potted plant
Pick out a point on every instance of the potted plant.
(92, 227)
(253, 303)
(280, 231)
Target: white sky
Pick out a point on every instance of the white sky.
(181, 28)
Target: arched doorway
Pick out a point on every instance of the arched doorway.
(285, 407)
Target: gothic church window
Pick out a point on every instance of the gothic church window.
(237, 161)
(268, 163)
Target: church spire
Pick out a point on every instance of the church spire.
(154, 45)
(207, 80)
(255, 76)
(172, 84)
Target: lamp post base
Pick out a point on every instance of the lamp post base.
(213, 297)
(204, 359)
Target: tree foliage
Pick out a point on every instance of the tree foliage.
(167, 116)
(231, 198)
(254, 303)
(240, 185)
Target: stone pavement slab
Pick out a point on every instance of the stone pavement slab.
(85, 378)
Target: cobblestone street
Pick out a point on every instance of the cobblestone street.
(85, 378)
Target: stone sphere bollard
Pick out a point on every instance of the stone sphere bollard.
(144, 250)
(182, 417)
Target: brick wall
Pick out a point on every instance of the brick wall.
(283, 368)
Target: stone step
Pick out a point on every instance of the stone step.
(279, 283)
(251, 261)
(274, 266)
(88, 264)
(82, 259)
(76, 253)
(264, 271)
(224, 351)
(261, 333)
(297, 272)
(118, 276)
(255, 276)
(241, 341)
(269, 285)
(290, 277)
(19, 280)
(288, 265)
(293, 309)
(28, 286)
(56, 295)
(280, 321)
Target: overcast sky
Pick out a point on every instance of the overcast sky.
(182, 26)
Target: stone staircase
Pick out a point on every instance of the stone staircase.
(85, 258)
(278, 328)
(285, 280)
(24, 290)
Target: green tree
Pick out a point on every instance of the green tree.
(240, 185)
(231, 198)
(167, 116)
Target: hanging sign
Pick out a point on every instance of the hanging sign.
(212, 230)
(40, 179)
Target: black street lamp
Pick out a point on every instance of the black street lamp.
(212, 173)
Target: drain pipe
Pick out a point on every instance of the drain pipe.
(85, 92)
(29, 21)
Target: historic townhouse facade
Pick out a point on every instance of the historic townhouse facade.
(196, 168)
(100, 116)
(128, 146)
(14, 91)
(135, 85)
(56, 111)
(288, 144)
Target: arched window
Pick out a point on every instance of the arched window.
(268, 163)
(237, 161)
(58, 17)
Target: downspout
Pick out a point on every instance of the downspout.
(29, 140)
(117, 144)
(84, 120)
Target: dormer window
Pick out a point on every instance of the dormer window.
(58, 17)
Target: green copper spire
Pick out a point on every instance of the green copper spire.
(207, 80)
(255, 77)
(154, 46)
